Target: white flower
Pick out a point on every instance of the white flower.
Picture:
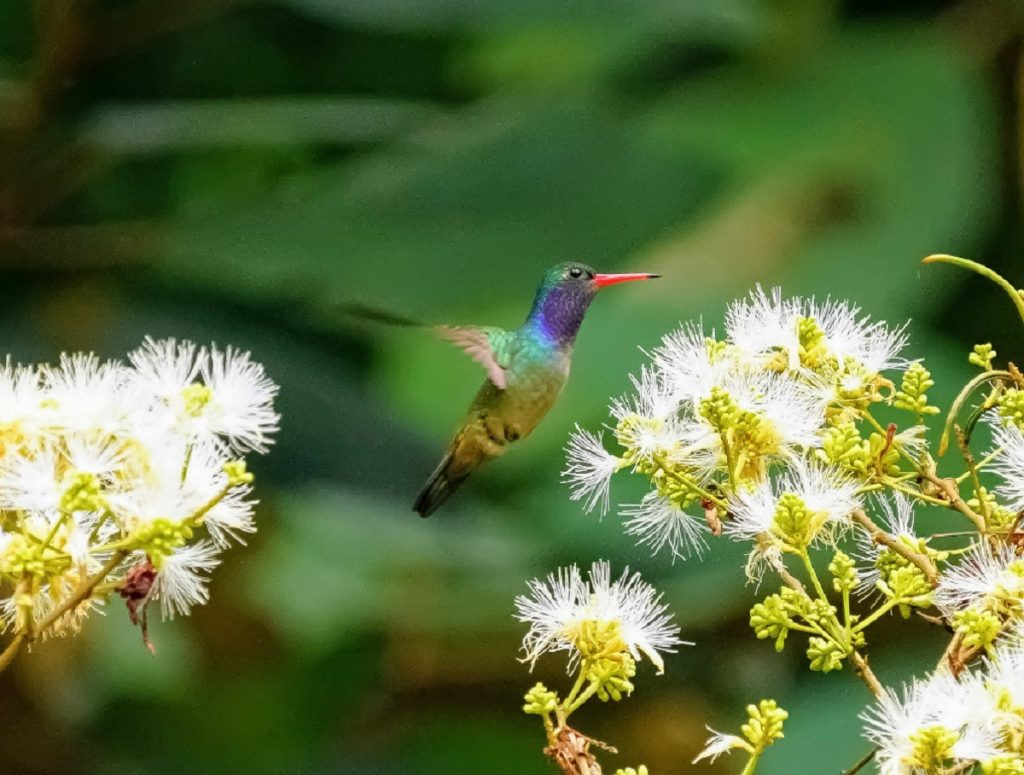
(83, 394)
(826, 492)
(589, 469)
(942, 701)
(559, 607)
(242, 406)
(718, 744)
(164, 368)
(21, 402)
(179, 584)
(764, 326)
(686, 366)
(1009, 464)
(658, 522)
(983, 573)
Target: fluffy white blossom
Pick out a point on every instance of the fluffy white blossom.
(589, 469)
(985, 573)
(827, 494)
(659, 522)
(764, 325)
(560, 608)
(1009, 464)
(129, 469)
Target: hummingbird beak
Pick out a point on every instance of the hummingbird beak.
(604, 280)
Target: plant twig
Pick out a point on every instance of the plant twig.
(860, 664)
(82, 593)
(879, 536)
(860, 765)
(12, 650)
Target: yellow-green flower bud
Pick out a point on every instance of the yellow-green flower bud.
(933, 748)
(792, 521)
(539, 701)
(1011, 408)
(237, 473)
(824, 655)
(612, 677)
(979, 627)
(982, 356)
(642, 770)
(912, 395)
(195, 398)
(160, 538)
(813, 348)
(844, 572)
(771, 619)
(1011, 764)
(765, 723)
(82, 492)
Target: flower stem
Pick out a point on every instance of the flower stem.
(984, 271)
(751, 763)
(12, 650)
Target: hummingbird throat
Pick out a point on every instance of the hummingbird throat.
(558, 313)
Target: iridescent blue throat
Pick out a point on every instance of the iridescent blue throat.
(557, 313)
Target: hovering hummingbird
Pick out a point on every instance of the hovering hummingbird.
(526, 371)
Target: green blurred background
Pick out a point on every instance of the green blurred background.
(239, 171)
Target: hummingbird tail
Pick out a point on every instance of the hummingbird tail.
(439, 488)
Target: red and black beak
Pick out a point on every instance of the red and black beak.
(604, 280)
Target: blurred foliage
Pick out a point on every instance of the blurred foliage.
(239, 171)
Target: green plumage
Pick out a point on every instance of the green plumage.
(527, 370)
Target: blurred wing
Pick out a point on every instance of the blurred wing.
(486, 346)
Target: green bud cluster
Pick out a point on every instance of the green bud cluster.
(764, 724)
(1000, 518)
(540, 701)
(82, 492)
(792, 522)
(902, 582)
(844, 572)
(978, 626)
(813, 348)
(746, 435)
(641, 770)
(22, 559)
(932, 748)
(1011, 764)
(912, 395)
(982, 356)
(612, 676)
(160, 538)
(843, 447)
(196, 396)
(824, 655)
(1011, 408)
(627, 433)
(237, 473)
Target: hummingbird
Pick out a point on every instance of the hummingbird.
(526, 371)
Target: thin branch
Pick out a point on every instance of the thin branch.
(81, 594)
(12, 650)
(864, 762)
(948, 487)
(879, 536)
(860, 664)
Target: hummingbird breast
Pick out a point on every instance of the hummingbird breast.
(536, 375)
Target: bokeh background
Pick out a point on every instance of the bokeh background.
(241, 171)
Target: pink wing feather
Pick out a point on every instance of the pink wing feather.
(476, 343)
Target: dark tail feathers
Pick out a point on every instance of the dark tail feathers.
(439, 488)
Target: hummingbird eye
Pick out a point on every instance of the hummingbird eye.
(575, 273)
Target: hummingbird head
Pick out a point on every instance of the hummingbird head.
(564, 295)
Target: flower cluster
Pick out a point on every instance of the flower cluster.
(605, 627)
(785, 391)
(801, 432)
(124, 477)
(945, 721)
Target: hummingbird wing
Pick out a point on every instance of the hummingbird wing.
(487, 345)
